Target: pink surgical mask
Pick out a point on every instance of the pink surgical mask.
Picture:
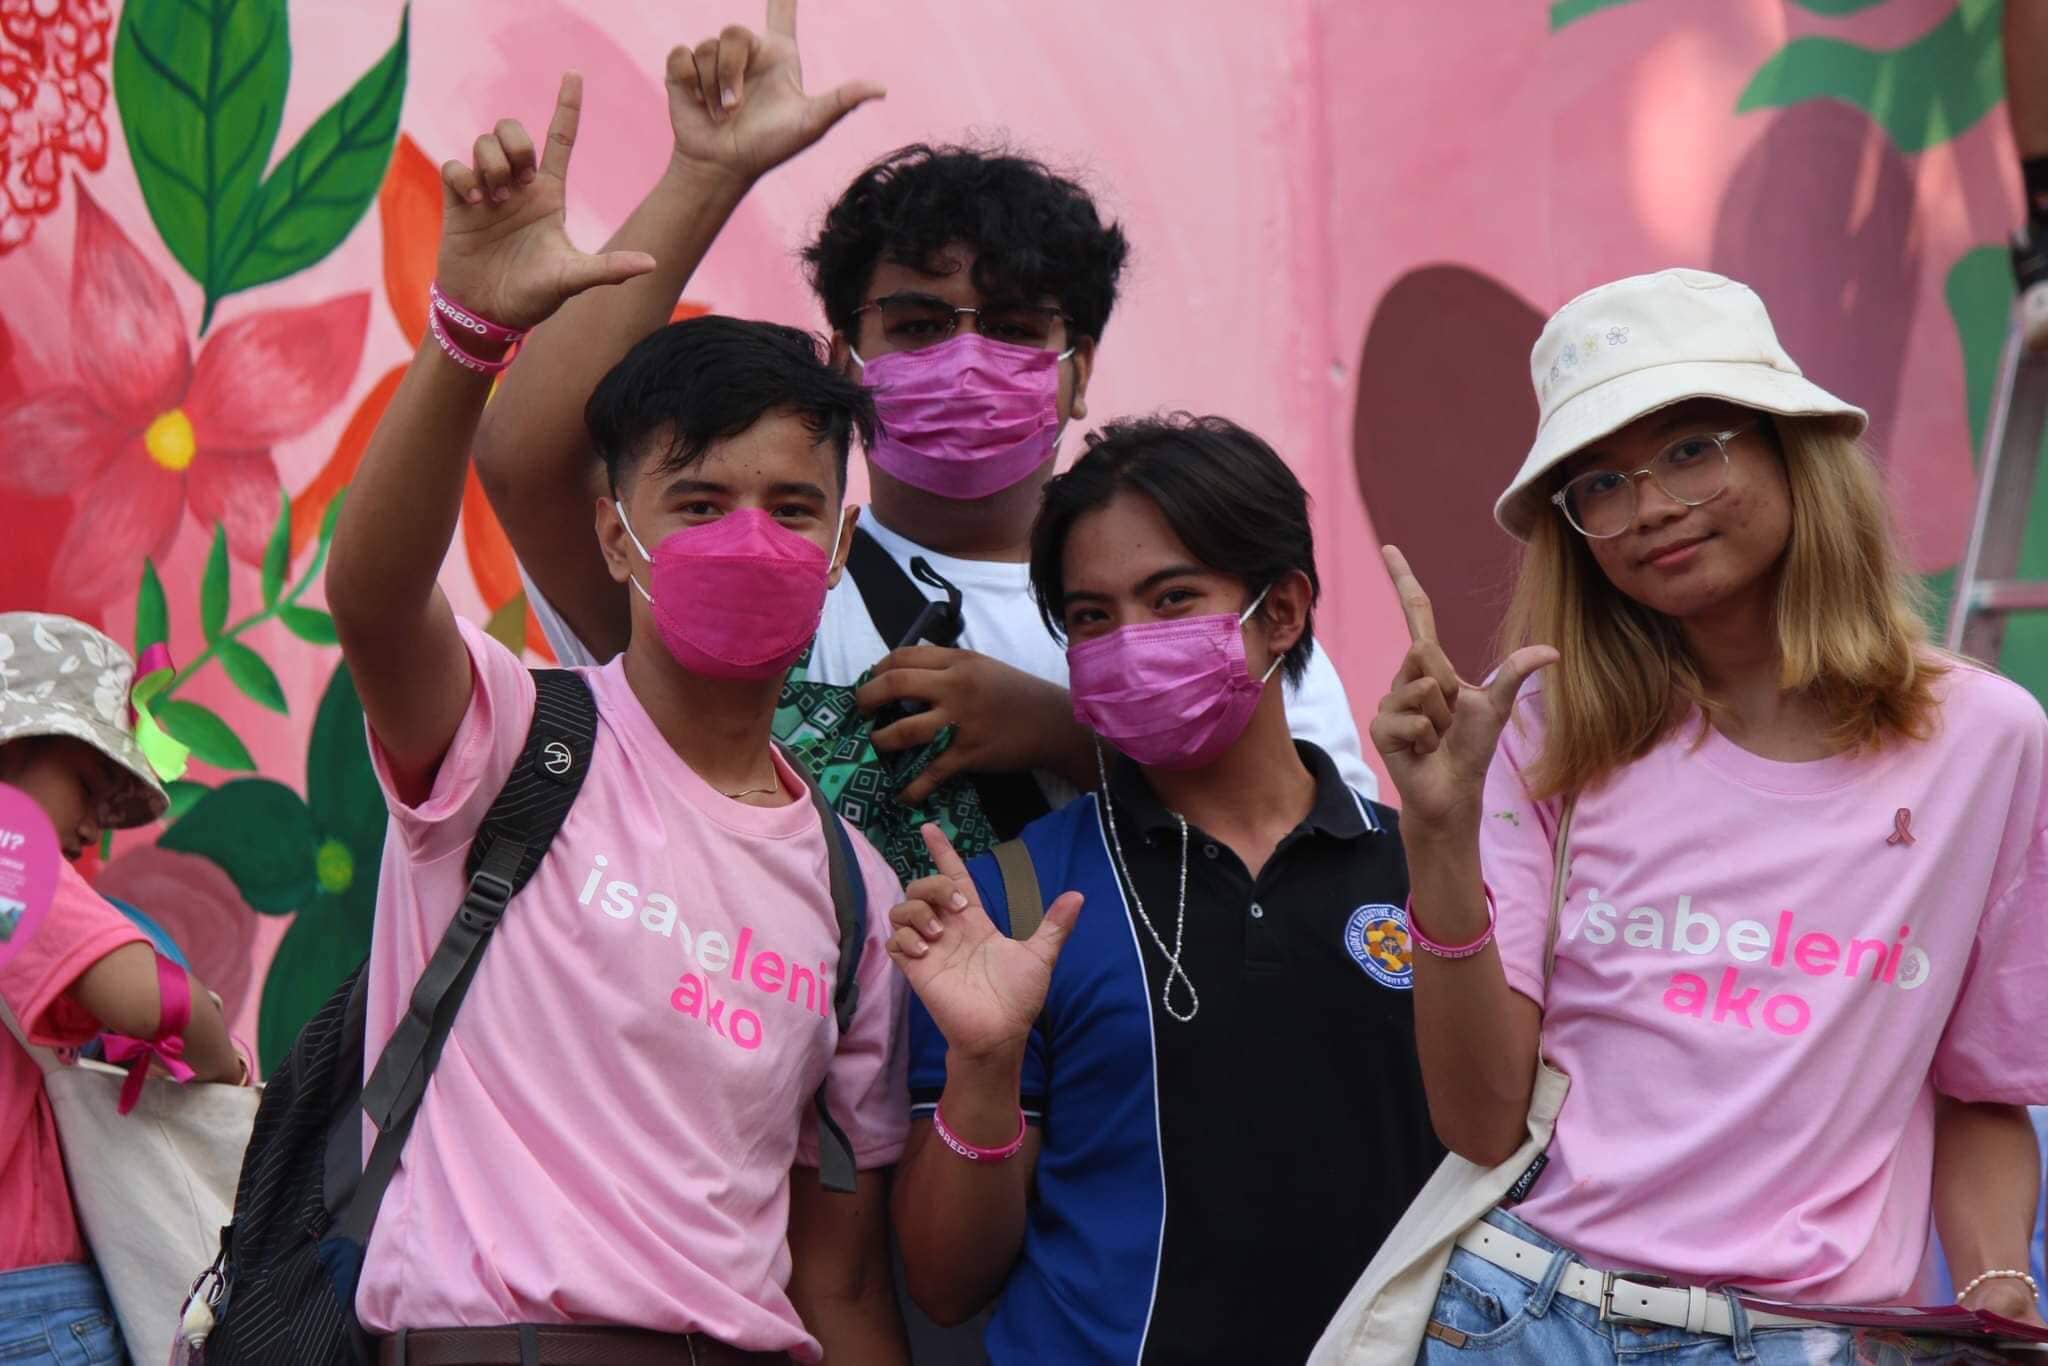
(966, 418)
(1170, 694)
(736, 598)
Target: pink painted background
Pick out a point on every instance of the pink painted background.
(1349, 219)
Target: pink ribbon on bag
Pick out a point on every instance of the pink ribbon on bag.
(166, 1046)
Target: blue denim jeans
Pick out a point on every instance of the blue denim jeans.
(57, 1314)
(1506, 1317)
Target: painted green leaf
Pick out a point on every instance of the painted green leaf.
(247, 671)
(213, 587)
(277, 554)
(201, 86)
(184, 793)
(1564, 12)
(309, 624)
(1836, 7)
(152, 613)
(327, 941)
(341, 787)
(324, 184)
(507, 625)
(1979, 289)
(261, 835)
(1921, 94)
(209, 737)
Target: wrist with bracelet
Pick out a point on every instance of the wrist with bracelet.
(2003, 1273)
(451, 323)
(1452, 951)
(974, 1152)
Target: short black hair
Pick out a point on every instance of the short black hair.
(709, 379)
(1227, 495)
(1034, 233)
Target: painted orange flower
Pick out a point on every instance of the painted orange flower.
(147, 429)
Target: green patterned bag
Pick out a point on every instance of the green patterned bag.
(821, 725)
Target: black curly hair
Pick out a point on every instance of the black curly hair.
(1035, 233)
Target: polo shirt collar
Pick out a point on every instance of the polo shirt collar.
(1337, 811)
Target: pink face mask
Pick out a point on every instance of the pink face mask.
(736, 598)
(1170, 694)
(966, 418)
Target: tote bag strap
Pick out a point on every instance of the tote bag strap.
(1557, 876)
(45, 1058)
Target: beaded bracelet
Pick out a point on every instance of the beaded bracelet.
(973, 1152)
(1436, 950)
(2007, 1273)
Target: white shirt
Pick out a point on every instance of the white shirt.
(1001, 620)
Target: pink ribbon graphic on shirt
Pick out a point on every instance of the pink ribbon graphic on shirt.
(1902, 826)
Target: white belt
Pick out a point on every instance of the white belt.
(1618, 1295)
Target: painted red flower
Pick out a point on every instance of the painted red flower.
(147, 429)
(53, 99)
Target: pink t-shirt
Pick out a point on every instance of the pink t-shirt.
(1765, 972)
(609, 1135)
(37, 1224)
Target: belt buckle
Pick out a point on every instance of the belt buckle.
(1651, 1279)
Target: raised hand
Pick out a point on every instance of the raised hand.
(504, 253)
(1435, 731)
(983, 988)
(737, 101)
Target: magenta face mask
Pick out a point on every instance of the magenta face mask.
(966, 418)
(736, 598)
(1170, 694)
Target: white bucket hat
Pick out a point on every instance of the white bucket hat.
(1631, 347)
(58, 676)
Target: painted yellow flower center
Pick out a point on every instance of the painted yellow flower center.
(334, 866)
(169, 440)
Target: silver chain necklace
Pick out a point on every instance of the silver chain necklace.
(1180, 920)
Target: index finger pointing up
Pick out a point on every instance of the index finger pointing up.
(946, 859)
(1414, 602)
(554, 161)
(782, 17)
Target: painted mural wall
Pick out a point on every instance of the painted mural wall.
(218, 219)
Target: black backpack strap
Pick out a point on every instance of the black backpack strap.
(509, 845)
(902, 614)
(836, 1167)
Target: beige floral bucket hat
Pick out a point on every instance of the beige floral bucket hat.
(59, 676)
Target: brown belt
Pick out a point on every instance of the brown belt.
(563, 1346)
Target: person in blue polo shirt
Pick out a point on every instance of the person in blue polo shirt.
(1173, 1128)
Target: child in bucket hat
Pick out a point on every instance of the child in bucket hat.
(68, 740)
(1797, 977)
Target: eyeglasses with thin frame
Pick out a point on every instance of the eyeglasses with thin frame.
(1601, 504)
(911, 322)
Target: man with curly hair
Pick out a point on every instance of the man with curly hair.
(968, 287)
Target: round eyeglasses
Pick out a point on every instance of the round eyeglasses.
(911, 322)
(1601, 504)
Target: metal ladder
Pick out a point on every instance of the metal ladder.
(1986, 590)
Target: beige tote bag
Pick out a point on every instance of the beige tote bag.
(153, 1187)
(1381, 1321)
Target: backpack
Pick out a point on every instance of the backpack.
(282, 1292)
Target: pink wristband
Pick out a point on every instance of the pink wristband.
(1434, 949)
(462, 318)
(453, 350)
(978, 1154)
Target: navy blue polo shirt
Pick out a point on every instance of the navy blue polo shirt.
(1208, 1191)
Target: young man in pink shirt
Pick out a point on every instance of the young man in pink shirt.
(616, 1150)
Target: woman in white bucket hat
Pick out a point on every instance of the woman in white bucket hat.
(75, 970)
(1801, 977)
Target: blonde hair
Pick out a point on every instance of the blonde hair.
(1847, 617)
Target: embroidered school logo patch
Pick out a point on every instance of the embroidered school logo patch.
(1377, 939)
